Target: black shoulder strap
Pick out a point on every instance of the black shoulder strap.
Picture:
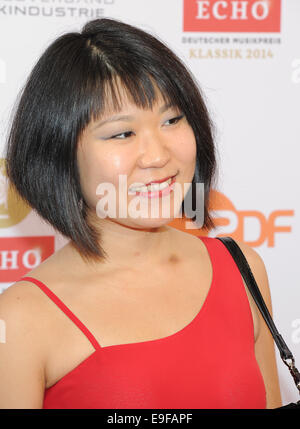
(241, 262)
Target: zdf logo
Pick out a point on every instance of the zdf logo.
(233, 222)
(258, 16)
(12, 208)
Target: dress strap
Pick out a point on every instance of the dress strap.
(64, 308)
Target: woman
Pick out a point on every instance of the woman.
(151, 316)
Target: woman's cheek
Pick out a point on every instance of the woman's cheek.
(186, 148)
(104, 176)
(91, 174)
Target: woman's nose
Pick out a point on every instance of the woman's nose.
(153, 151)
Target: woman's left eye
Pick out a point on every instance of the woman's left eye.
(174, 120)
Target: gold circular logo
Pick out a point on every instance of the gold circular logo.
(12, 208)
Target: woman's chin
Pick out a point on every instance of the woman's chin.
(144, 223)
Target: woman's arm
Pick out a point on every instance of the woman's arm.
(264, 344)
(22, 380)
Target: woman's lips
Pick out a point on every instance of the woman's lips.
(160, 181)
(158, 193)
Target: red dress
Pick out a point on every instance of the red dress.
(210, 363)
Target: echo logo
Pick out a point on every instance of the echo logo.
(259, 16)
(18, 255)
(234, 223)
(296, 70)
(2, 71)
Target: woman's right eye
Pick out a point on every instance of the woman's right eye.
(122, 136)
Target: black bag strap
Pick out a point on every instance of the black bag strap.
(240, 260)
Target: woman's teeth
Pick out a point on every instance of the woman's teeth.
(152, 187)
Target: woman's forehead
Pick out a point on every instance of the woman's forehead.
(118, 98)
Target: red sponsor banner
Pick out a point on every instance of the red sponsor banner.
(236, 16)
(18, 255)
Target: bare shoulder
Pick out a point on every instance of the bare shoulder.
(20, 303)
(21, 349)
(252, 256)
(264, 344)
(259, 271)
(26, 316)
(24, 308)
(19, 308)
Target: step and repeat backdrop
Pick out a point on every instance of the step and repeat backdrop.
(246, 58)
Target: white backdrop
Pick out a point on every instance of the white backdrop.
(246, 57)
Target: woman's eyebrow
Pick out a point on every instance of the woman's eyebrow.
(166, 107)
(115, 118)
(128, 118)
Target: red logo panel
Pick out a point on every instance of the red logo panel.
(236, 16)
(18, 255)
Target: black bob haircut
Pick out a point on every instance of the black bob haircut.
(71, 84)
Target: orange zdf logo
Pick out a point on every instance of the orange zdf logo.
(250, 16)
(230, 221)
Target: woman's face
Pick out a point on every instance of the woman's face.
(141, 146)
